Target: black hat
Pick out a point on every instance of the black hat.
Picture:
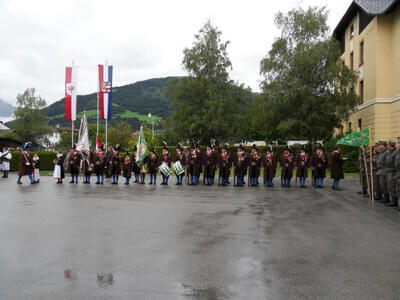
(135, 148)
(392, 143)
(303, 148)
(382, 143)
(165, 145)
(286, 148)
(117, 147)
(102, 147)
(319, 146)
(225, 147)
(254, 147)
(179, 146)
(153, 150)
(269, 148)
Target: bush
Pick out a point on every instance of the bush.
(46, 160)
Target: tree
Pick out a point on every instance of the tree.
(30, 123)
(121, 135)
(307, 89)
(206, 104)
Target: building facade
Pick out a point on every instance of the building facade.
(369, 36)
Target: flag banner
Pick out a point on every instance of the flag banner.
(98, 144)
(142, 148)
(83, 144)
(355, 139)
(71, 88)
(105, 91)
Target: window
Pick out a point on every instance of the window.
(351, 31)
(350, 130)
(352, 61)
(359, 124)
(341, 130)
(361, 53)
(361, 92)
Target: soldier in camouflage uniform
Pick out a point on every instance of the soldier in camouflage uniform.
(390, 174)
(397, 168)
(381, 193)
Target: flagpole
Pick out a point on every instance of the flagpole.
(371, 166)
(72, 108)
(106, 133)
(366, 170)
(72, 130)
(97, 129)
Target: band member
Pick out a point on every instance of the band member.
(224, 164)
(99, 165)
(5, 158)
(287, 166)
(108, 162)
(269, 165)
(302, 162)
(59, 167)
(127, 168)
(25, 164)
(116, 164)
(135, 167)
(152, 165)
(180, 157)
(254, 166)
(74, 165)
(240, 166)
(336, 167)
(36, 168)
(194, 165)
(87, 167)
(319, 164)
(209, 164)
(165, 160)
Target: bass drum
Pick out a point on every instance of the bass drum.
(178, 169)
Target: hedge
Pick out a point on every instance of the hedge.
(350, 166)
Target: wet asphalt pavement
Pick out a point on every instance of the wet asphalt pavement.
(195, 242)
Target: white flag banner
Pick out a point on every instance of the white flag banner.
(83, 143)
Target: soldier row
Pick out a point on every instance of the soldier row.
(385, 172)
(190, 164)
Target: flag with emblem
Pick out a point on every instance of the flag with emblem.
(71, 85)
(105, 91)
(355, 139)
(142, 149)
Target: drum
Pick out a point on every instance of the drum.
(165, 170)
(178, 168)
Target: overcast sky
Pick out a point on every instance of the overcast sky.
(142, 39)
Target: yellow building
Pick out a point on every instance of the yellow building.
(369, 35)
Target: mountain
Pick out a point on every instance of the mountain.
(131, 103)
(6, 109)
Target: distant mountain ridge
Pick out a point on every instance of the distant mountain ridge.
(131, 103)
(6, 109)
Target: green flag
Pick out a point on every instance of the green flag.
(142, 148)
(355, 139)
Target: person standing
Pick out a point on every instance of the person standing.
(108, 161)
(74, 162)
(240, 166)
(319, 164)
(36, 168)
(287, 166)
(336, 167)
(194, 165)
(269, 165)
(25, 164)
(116, 164)
(302, 162)
(381, 173)
(87, 167)
(210, 164)
(397, 168)
(165, 160)
(180, 157)
(135, 167)
(152, 165)
(5, 158)
(224, 164)
(127, 168)
(59, 167)
(391, 173)
(254, 166)
(99, 165)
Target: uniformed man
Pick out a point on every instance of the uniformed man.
(287, 166)
(87, 167)
(180, 157)
(397, 168)
(381, 173)
(108, 161)
(135, 167)
(209, 165)
(25, 164)
(254, 163)
(165, 159)
(224, 165)
(302, 163)
(116, 164)
(240, 165)
(152, 165)
(336, 167)
(74, 163)
(390, 174)
(269, 165)
(194, 161)
(127, 167)
(99, 164)
(319, 164)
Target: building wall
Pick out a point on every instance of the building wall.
(380, 109)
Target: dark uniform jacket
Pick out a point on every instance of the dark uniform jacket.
(287, 165)
(99, 162)
(269, 165)
(254, 163)
(302, 163)
(194, 163)
(336, 166)
(116, 163)
(127, 166)
(25, 164)
(74, 162)
(209, 163)
(319, 164)
(224, 165)
(152, 164)
(240, 164)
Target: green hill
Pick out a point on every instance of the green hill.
(131, 103)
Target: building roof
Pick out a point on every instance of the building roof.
(3, 127)
(370, 7)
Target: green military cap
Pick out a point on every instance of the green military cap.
(382, 143)
(392, 143)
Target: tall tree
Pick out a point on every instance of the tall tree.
(30, 123)
(308, 91)
(207, 104)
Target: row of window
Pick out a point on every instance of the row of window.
(359, 125)
(361, 87)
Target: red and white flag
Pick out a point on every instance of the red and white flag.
(105, 91)
(98, 144)
(71, 88)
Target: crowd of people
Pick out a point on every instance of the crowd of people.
(188, 165)
(384, 183)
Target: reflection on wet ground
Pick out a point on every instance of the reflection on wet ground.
(194, 242)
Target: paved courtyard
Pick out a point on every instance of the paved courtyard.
(168, 242)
